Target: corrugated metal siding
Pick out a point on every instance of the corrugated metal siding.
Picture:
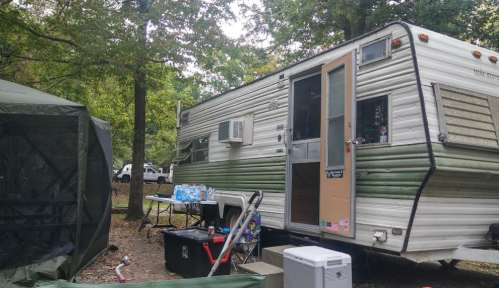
(406, 117)
(395, 172)
(462, 172)
(449, 61)
(204, 120)
(459, 202)
(392, 172)
(395, 75)
(266, 174)
(457, 159)
(379, 214)
(444, 223)
(386, 76)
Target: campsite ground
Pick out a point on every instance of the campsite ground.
(148, 260)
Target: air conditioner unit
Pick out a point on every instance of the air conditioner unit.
(230, 131)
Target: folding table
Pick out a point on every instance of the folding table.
(169, 209)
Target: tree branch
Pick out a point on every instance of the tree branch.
(100, 62)
(158, 61)
(5, 2)
(58, 82)
(48, 37)
(35, 59)
(52, 78)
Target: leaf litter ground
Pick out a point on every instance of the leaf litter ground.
(148, 262)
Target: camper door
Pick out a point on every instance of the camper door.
(337, 166)
(303, 186)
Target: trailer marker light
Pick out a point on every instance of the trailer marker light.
(396, 231)
(493, 59)
(476, 53)
(396, 43)
(424, 37)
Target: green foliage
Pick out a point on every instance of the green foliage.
(236, 65)
(93, 51)
(302, 28)
(122, 58)
(485, 25)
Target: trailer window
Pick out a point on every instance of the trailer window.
(375, 51)
(307, 108)
(372, 120)
(336, 119)
(193, 151)
(200, 150)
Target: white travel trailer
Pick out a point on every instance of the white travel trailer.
(391, 138)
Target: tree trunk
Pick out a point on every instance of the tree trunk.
(135, 200)
(354, 22)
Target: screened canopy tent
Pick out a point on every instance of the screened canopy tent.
(55, 184)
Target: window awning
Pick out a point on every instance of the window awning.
(184, 145)
(181, 157)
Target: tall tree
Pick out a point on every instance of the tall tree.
(236, 65)
(127, 39)
(301, 28)
(484, 25)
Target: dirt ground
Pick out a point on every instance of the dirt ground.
(147, 256)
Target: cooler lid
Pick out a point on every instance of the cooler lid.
(195, 234)
(316, 256)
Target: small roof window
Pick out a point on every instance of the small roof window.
(374, 51)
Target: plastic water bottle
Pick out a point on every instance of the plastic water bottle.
(192, 194)
(178, 193)
(174, 194)
(197, 194)
(183, 194)
(186, 192)
(208, 194)
(203, 193)
(211, 194)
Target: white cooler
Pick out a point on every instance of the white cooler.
(316, 267)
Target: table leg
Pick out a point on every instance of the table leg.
(144, 221)
(170, 212)
(156, 224)
(189, 214)
(200, 220)
(187, 211)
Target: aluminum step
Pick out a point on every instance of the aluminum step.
(274, 255)
(275, 275)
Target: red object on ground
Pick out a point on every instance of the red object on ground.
(205, 246)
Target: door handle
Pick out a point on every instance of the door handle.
(348, 142)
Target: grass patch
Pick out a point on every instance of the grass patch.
(124, 203)
(117, 216)
(120, 199)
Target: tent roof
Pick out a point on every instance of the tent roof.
(18, 94)
(101, 123)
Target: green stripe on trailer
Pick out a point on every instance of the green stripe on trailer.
(464, 173)
(391, 172)
(266, 174)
